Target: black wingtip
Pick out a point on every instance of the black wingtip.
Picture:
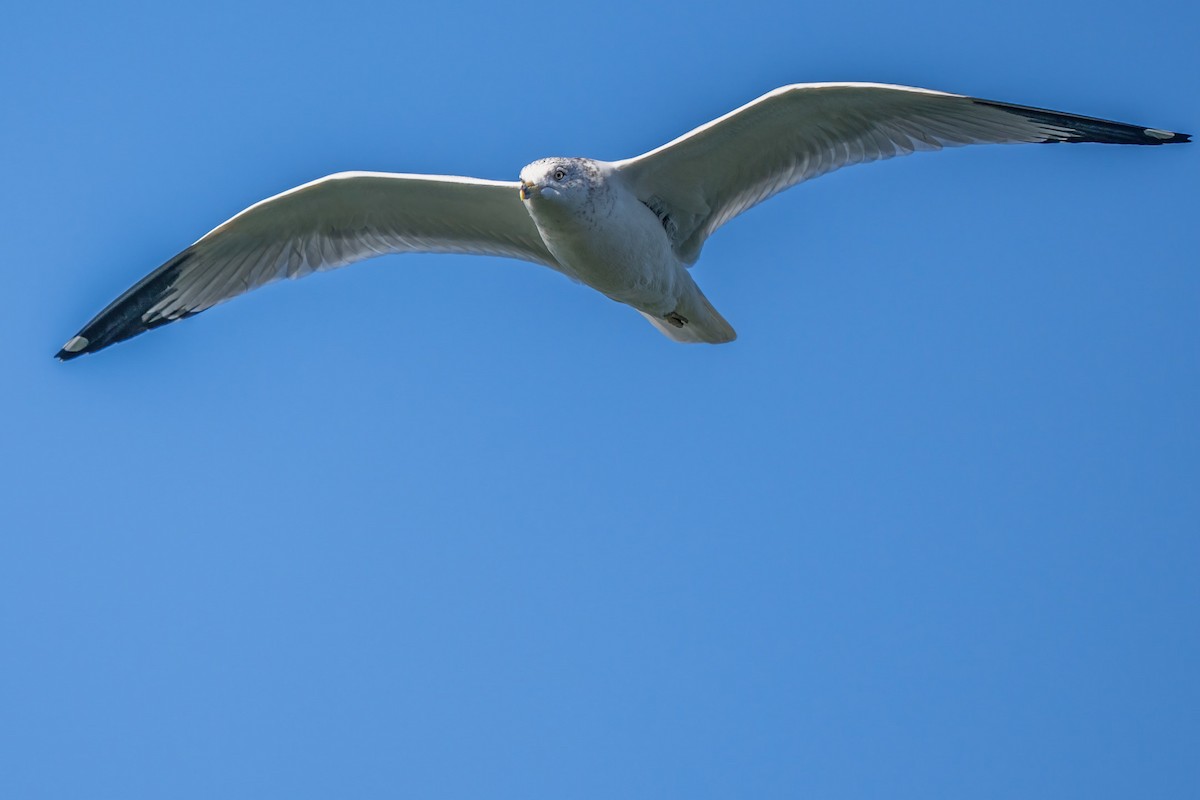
(1092, 129)
(123, 318)
(1157, 136)
(75, 347)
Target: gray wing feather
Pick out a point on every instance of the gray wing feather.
(328, 223)
(796, 133)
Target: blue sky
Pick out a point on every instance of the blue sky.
(439, 526)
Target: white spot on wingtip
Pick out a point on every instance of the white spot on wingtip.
(75, 345)
(1157, 134)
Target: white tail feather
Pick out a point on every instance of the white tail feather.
(703, 324)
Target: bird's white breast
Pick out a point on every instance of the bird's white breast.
(615, 244)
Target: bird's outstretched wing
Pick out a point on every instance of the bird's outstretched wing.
(706, 177)
(328, 223)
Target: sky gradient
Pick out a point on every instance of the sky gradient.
(455, 527)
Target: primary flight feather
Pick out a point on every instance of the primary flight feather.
(628, 229)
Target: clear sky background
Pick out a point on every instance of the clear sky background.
(455, 527)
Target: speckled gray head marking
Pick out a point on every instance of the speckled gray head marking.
(561, 174)
(576, 187)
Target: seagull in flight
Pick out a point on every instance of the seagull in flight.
(629, 229)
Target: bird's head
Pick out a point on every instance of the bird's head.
(569, 184)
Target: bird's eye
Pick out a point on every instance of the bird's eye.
(559, 174)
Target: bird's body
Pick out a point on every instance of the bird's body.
(602, 235)
(629, 229)
(607, 239)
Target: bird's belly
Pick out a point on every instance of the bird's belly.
(631, 264)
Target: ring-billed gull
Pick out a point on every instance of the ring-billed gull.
(629, 229)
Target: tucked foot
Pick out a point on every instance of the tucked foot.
(676, 319)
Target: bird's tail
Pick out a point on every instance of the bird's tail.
(694, 320)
